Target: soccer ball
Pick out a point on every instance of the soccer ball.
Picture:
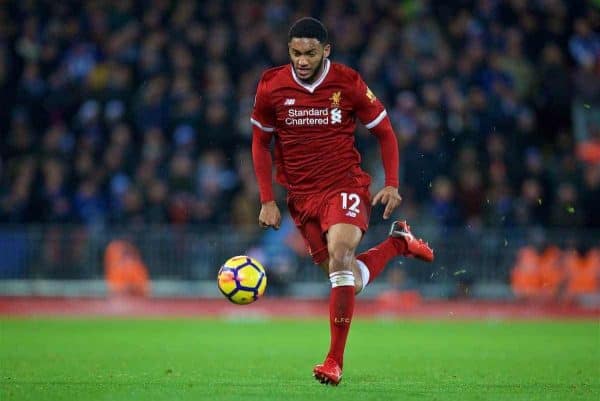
(242, 279)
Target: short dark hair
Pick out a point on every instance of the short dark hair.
(308, 27)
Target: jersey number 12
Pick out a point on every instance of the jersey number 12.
(354, 200)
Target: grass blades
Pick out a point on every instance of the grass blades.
(211, 359)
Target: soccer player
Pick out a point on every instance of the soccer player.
(310, 108)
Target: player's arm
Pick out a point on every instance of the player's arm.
(263, 127)
(373, 115)
(388, 144)
(269, 215)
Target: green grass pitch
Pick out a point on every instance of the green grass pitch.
(211, 359)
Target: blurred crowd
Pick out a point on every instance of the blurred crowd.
(557, 274)
(134, 112)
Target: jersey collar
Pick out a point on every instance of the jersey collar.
(311, 87)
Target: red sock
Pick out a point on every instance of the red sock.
(341, 308)
(378, 257)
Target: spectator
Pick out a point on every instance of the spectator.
(583, 273)
(552, 273)
(124, 99)
(530, 208)
(443, 205)
(554, 91)
(525, 279)
(125, 272)
(566, 211)
(591, 196)
(470, 196)
(584, 46)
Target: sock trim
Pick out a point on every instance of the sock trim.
(341, 278)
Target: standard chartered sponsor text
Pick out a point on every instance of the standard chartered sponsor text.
(310, 116)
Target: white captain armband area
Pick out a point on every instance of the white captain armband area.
(377, 120)
(262, 127)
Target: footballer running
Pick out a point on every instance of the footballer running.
(309, 109)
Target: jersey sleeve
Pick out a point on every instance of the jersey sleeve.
(368, 108)
(262, 162)
(263, 114)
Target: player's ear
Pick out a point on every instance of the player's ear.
(326, 50)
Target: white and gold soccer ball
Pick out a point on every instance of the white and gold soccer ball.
(242, 279)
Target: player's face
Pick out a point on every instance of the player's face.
(307, 55)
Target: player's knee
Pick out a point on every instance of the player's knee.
(341, 256)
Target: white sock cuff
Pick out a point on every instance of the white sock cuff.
(364, 272)
(341, 278)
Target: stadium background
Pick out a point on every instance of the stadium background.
(130, 120)
(126, 180)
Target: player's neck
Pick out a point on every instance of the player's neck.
(318, 77)
(318, 74)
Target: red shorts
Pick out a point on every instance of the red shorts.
(314, 214)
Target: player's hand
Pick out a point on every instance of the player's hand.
(269, 216)
(389, 197)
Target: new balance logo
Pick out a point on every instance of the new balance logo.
(350, 213)
(336, 116)
(289, 102)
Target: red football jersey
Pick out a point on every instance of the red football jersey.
(314, 125)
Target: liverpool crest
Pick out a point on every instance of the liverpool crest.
(336, 98)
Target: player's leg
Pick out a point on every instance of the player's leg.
(306, 216)
(329, 371)
(352, 206)
(369, 264)
(400, 242)
(344, 216)
(342, 240)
